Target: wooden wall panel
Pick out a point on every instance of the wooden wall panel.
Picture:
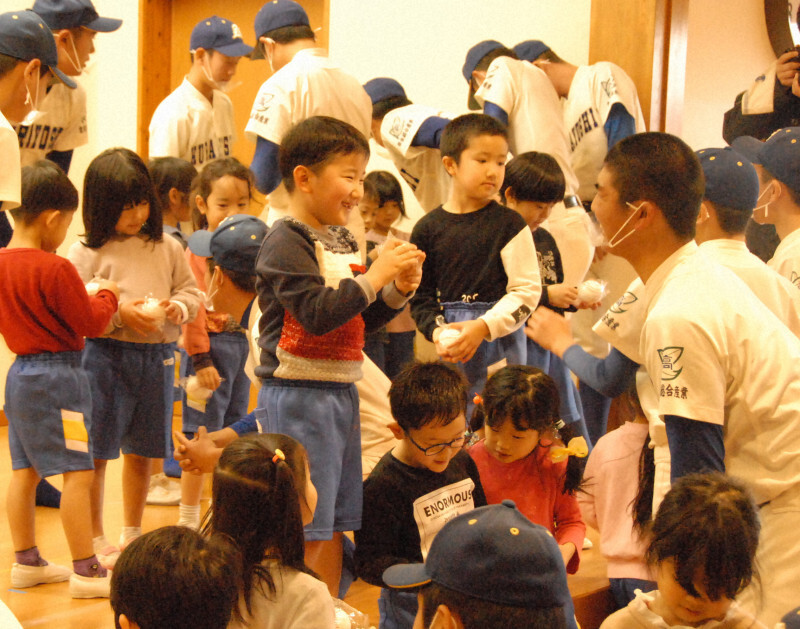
(154, 74)
(647, 38)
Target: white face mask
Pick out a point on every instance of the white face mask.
(267, 54)
(34, 113)
(765, 207)
(223, 86)
(611, 243)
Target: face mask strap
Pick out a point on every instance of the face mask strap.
(34, 112)
(611, 243)
(766, 205)
(76, 62)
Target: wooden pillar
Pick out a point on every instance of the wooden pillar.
(647, 38)
(155, 42)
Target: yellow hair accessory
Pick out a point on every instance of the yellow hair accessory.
(280, 456)
(576, 447)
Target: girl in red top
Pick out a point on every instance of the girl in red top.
(522, 455)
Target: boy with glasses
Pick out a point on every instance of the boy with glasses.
(421, 484)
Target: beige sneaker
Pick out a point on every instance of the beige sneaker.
(23, 576)
(89, 587)
(163, 491)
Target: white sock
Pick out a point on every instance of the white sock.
(189, 515)
(100, 543)
(128, 534)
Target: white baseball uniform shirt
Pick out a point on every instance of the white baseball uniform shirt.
(187, 125)
(535, 123)
(593, 91)
(786, 259)
(309, 85)
(420, 166)
(62, 126)
(716, 354)
(10, 176)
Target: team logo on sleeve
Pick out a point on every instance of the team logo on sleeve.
(609, 86)
(263, 101)
(627, 299)
(795, 278)
(670, 357)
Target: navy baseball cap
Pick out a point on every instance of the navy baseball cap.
(25, 36)
(730, 178)
(531, 49)
(217, 33)
(474, 56)
(495, 554)
(382, 88)
(58, 14)
(780, 154)
(234, 244)
(278, 14)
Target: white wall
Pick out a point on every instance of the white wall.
(728, 48)
(422, 44)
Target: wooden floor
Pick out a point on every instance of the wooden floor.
(51, 606)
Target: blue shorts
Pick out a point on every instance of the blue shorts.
(132, 397)
(323, 416)
(553, 366)
(49, 410)
(511, 347)
(229, 402)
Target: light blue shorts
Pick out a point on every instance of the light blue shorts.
(230, 400)
(132, 397)
(49, 411)
(323, 416)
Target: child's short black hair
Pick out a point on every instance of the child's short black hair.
(427, 393)
(383, 107)
(459, 131)
(316, 141)
(243, 281)
(7, 64)
(490, 56)
(288, 34)
(203, 575)
(168, 173)
(384, 187)
(534, 176)
(708, 524)
(45, 186)
(477, 613)
(731, 220)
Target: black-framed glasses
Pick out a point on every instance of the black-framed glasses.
(436, 448)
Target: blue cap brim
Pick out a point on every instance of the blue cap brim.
(406, 576)
(104, 24)
(70, 83)
(200, 243)
(748, 146)
(237, 49)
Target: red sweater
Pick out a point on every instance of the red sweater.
(535, 484)
(44, 306)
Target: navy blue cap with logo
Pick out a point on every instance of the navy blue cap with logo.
(220, 34)
(731, 180)
(24, 36)
(382, 88)
(234, 244)
(474, 56)
(492, 553)
(531, 49)
(59, 14)
(779, 154)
